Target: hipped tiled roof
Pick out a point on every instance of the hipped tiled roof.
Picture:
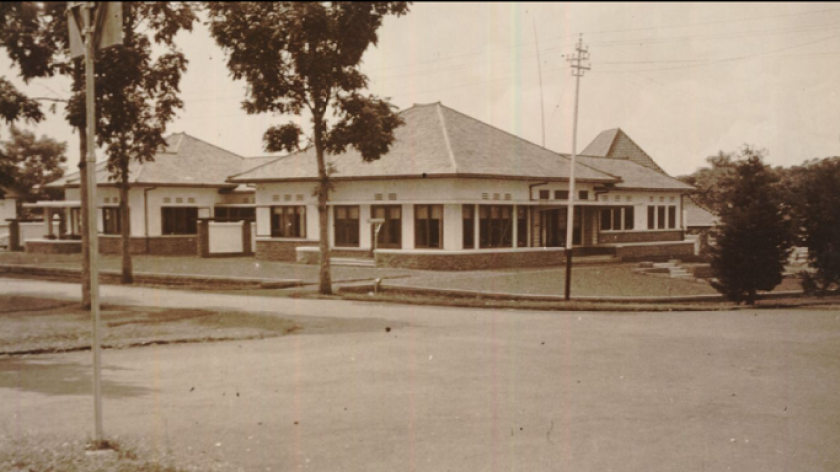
(436, 141)
(616, 143)
(185, 160)
(634, 175)
(698, 216)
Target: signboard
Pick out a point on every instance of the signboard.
(108, 26)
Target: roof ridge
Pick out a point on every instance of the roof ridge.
(617, 177)
(208, 143)
(264, 164)
(446, 138)
(643, 152)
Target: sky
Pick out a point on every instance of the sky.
(683, 80)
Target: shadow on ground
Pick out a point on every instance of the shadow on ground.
(51, 376)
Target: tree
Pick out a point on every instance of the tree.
(136, 88)
(710, 181)
(31, 162)
(819, 220)
(754, 238)
(300, 57)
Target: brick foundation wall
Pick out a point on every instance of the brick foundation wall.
(173, 246)
(639, 237)
(112, 244)
(280, 250)
(655, 251)
(471, 261)
(54, 247)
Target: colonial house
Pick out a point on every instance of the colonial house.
(186, 181)
(456, 193)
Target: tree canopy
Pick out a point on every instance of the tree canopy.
(306, 58)
(31, 162)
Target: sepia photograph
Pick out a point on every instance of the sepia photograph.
(419, 236)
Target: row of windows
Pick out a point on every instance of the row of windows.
(622, 218)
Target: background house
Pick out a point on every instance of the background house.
(456, 193)
(168, 196)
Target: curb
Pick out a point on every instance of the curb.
(549, 298)
(112, 276)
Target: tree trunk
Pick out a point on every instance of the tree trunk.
(751, 297)
(83, 224)
(325, 286)
(125, 228)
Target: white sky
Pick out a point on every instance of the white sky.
(683, 80)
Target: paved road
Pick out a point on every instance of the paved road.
(461, 389)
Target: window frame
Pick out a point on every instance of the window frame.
(115, 226)
(294, 214)
(389, 227)
(346, 225)
(180, 229)
(427, 228)
(468, 226)
(618, 219)
(495, 233)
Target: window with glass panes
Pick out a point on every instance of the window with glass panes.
(288, 221)
(468, 218)
(428, 226)
(179, 220)
(617, 218)
(495, 226)
(346, 226)
(111, 221)
(522, 213)
(390, 234)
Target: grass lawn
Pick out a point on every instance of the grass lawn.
(228, 266)
(35, 325)
(53, 453)
(615, 280)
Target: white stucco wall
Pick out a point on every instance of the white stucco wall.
(225, 237)
(34, 231)
(640, 200)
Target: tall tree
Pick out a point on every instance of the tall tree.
(755, 236)
(31, 162)
(711, 181)
(306, 57)
(14, 106)
(136, 87)
(816, 185)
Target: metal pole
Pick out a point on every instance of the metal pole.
(92, 225)
(577, 70)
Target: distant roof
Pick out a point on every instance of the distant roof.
(615, 143)
(698, 216)
(185, 160)
(436, 141)
(634, 175)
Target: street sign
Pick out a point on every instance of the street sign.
(108, 30)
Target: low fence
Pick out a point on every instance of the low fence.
(225, 238)
(32, 230)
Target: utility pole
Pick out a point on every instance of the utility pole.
(93, 26)
(578, 68)
(539, 72)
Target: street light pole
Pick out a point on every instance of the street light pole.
(581, 54)
(93, 238)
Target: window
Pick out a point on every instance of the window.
(111, 221)
(661, 217)
(346, 226)
(522, 226)
(428, 226)
(583, 195)
(234, 213)
(288, 222)
(545, 194)
(390, 234)
(618, 219)
(495, 226)
(468, 218)
(561, 194)
(179, 220)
